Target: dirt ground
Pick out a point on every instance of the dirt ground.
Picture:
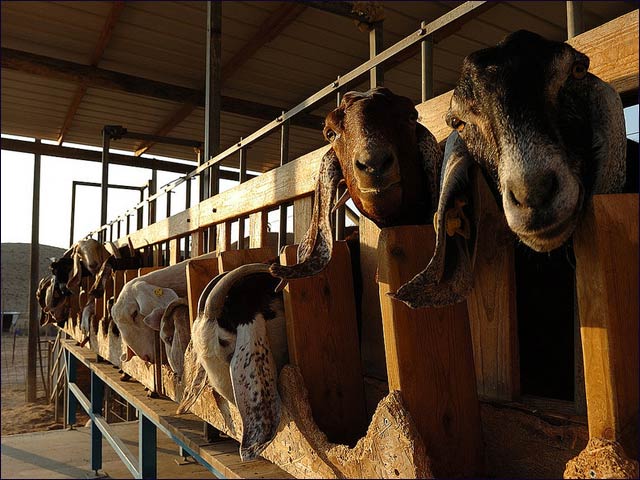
(19, 416)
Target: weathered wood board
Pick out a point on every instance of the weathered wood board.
(430, 357)
(606, 250)
(322, 336)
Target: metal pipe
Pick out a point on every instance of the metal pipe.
(284, 158)
(106, 140)
(212, 90)
(73, 212)
(426, 63)
(575, 22)
(33, 333)
(376, 74)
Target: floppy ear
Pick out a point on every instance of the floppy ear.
(314, 252)
(254, 379)
(73, 284)
(103, 275)
(153, 319)
(194, 377)
(448, 277)
(431, 158)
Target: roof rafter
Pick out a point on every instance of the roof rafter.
(107, 79)
(105, 35)
(282, 16)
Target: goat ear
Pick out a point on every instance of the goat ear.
(194, 377)
(103, 275)
(73, 284)
(448, 277)
(153, 319)
(254, 379)
(314, 252)
(431, 158)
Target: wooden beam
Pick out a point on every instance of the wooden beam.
(363, 12)
(270, 28)
(103, 40)
(606, 250)
(107, 79)
(93, 156)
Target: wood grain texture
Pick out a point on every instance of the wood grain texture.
(322, 334)
(302, 213)
(199, 274)
(606, 250)
(492, 305)
(430, 357)
(233, 259)
(258, 229)
(223, 236)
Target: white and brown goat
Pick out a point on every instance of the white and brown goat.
(545, 132)
(239, 341)
(389, 162)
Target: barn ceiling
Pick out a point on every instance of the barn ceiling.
(59, 60)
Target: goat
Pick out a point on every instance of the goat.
(175, 332)
(239, 340)
(156, 291)
(53, 303)
(90, 254)
(140, 303)
(389, 162)
(546, 133)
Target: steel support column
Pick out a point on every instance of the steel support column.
(34, 323)
(376, 74)
(426, 64)
(104, 189)
(72, 374)
(575, 22)
(97, 395)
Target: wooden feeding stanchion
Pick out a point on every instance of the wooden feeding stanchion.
(322, 336)
(606, 250)
(430, 357)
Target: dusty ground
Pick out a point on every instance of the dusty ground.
(19, 416)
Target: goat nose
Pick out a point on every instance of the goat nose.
(375, 164)
(535, 192)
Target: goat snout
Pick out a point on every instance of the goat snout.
(536, 192)
(377, 163)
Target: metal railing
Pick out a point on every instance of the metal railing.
(422, 36)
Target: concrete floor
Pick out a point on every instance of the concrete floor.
(66, 454)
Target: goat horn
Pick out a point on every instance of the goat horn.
(214, 303)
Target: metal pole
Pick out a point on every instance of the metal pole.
(147, 447)
(72, 375)
(376, 75)
(340, 212)
(97, 396)
(73, 212)
(33, 334)
(575, 22)
(153, 184)
(242, 178)
(284, 158)
(104, 184)
(426, 57)
(213, 100)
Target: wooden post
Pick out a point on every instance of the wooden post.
(492, 305)
(606, 250)
(223, 233)
(34, 324)
(232, 259)
(258, 229)
(174, 251)
(323, 342)
(199, 273)
(302, 212)
(430, 358)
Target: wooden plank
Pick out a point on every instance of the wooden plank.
(118, 282)
(223, 236)
(606, 250)
(174, 251)
(372, 343)
(302, 213)
(430, 358)
(492, 305)
(130, 275)
(145, 270)
(232, 259)
(258, 229)
(322, 334)
(613, 51)
(199, 274)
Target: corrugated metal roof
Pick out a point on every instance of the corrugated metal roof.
(165, 41)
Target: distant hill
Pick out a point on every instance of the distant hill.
(15, 273)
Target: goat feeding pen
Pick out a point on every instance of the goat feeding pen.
(340, 417)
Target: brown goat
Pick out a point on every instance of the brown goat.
(547, 133)
(389, 162)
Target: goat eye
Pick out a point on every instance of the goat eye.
(579, 71)
(330, 135)
(457, 124)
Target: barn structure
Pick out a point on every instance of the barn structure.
(535, 375)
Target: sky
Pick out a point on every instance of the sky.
(57, 175)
